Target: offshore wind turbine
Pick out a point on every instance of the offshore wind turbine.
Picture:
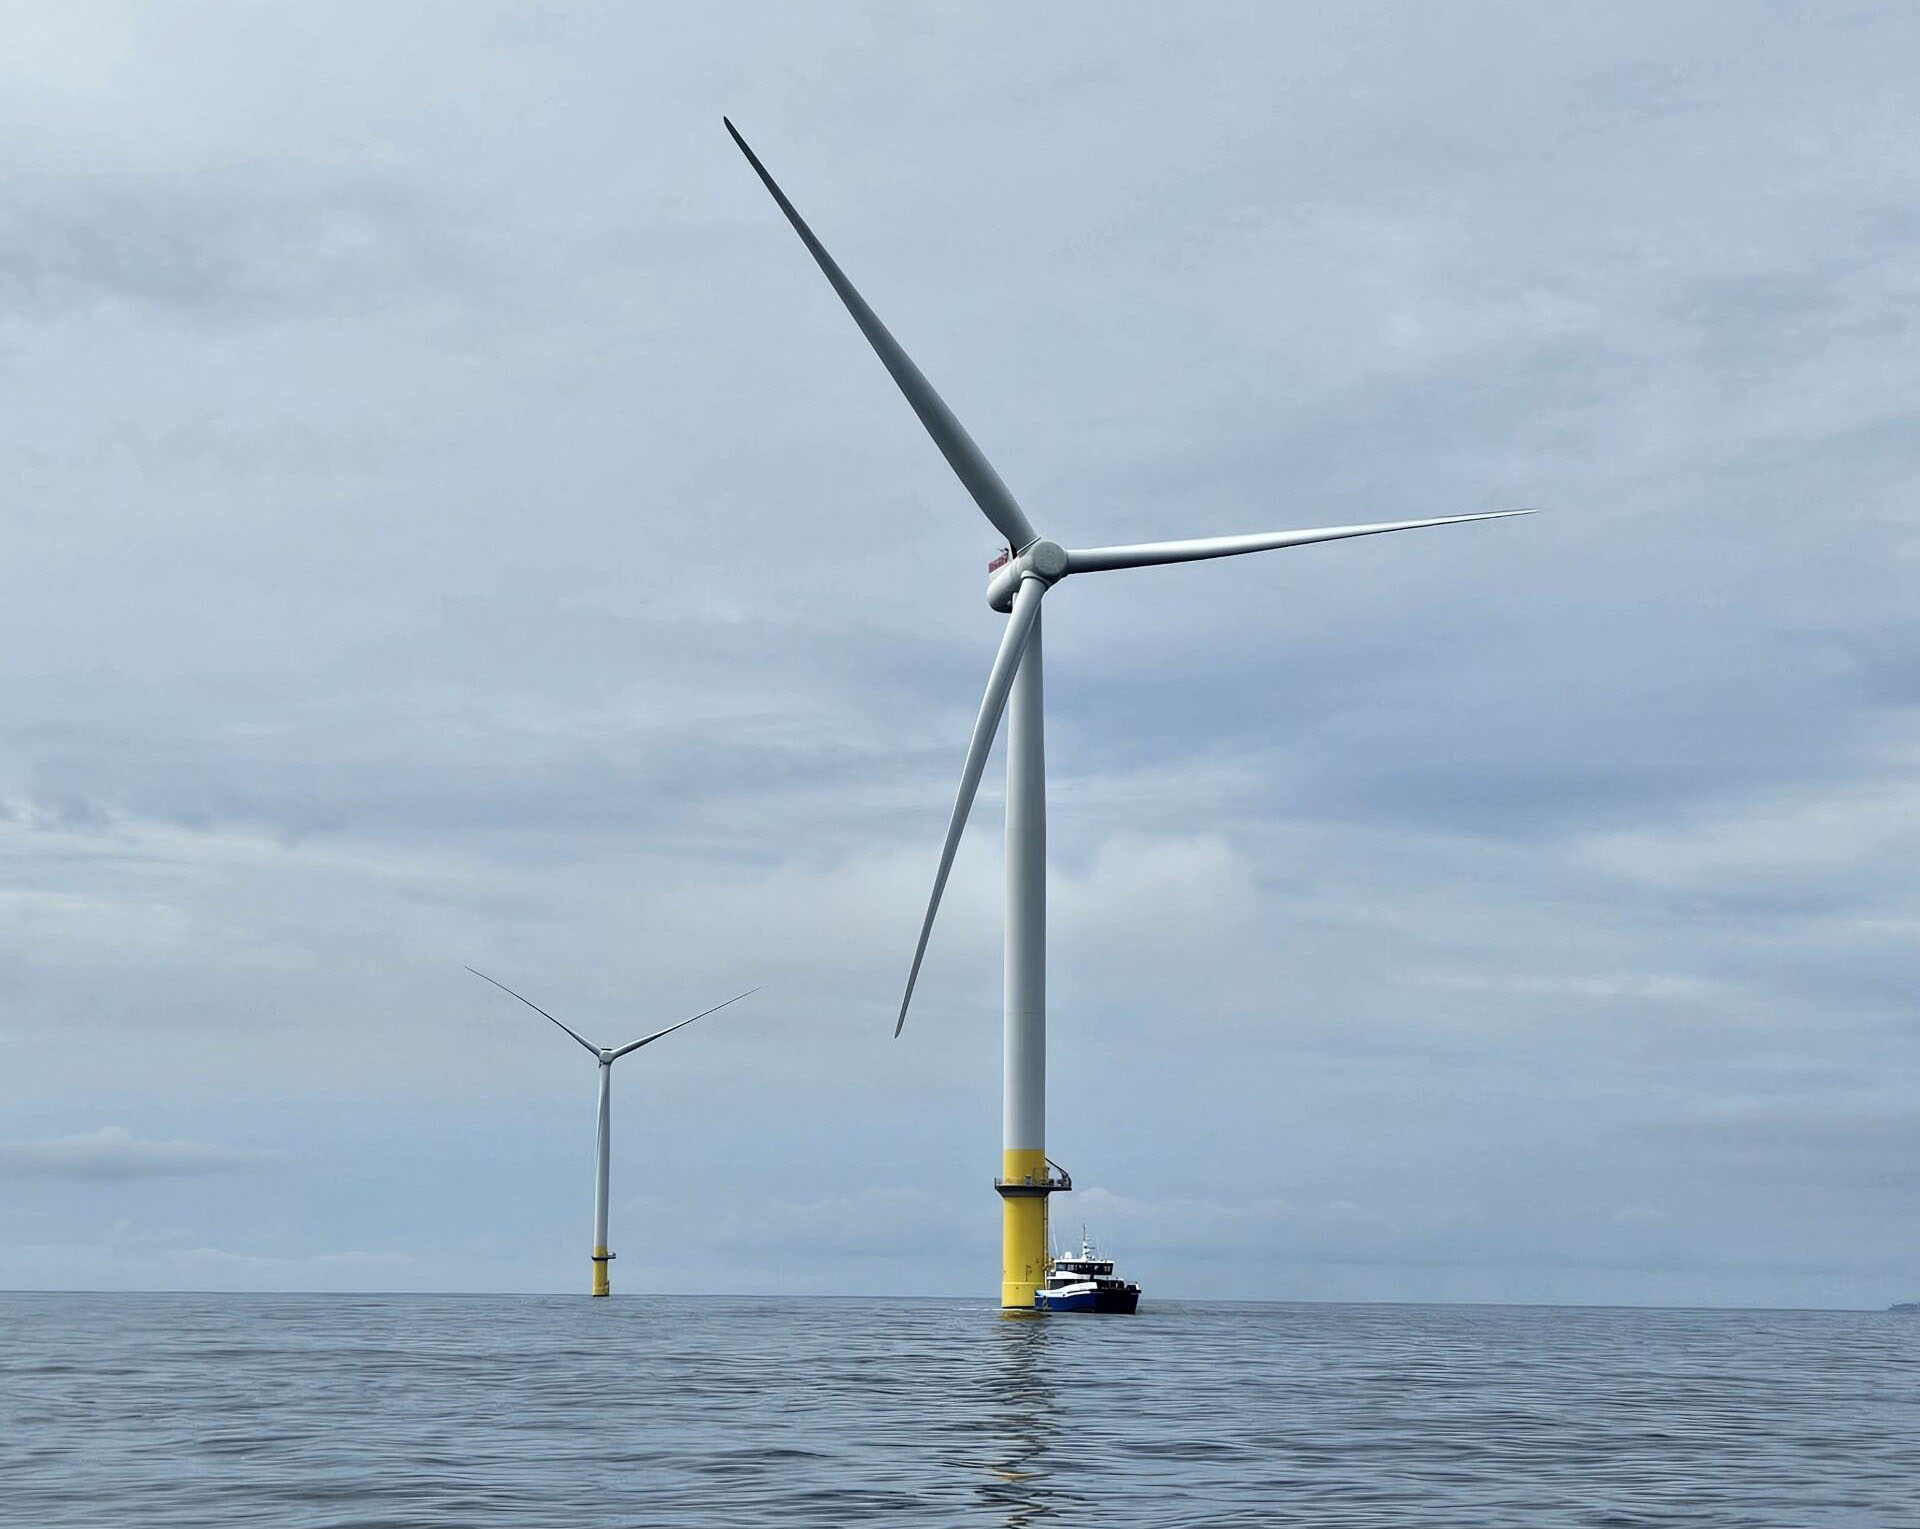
(1017, 581)
(606, 1056)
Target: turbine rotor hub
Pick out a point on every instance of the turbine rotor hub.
(1043, 559)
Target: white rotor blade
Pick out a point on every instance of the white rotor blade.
(1013, 643)
(648, 1040)
(1150, 554)
(536, 1009)
(963, 456)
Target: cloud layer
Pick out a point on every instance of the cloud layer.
(451, 522)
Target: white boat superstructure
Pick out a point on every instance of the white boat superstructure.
(1085, 1282)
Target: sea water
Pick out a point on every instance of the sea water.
(199, 1410)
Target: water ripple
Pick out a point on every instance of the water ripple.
(316, 1412)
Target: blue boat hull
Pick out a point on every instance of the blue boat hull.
(1107, 1302)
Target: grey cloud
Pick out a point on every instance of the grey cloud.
(113, 1152)
(248, 251)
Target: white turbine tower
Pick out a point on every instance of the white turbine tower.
(606, 1056)
(1019, 579)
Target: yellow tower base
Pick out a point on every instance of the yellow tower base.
(1024, 1186)
(601, 1285)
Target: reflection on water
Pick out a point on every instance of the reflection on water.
(1024, 1417)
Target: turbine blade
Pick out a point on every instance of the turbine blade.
(648, 1040)
(963, 456)
(1026, 605)
(1150, 554)
(536, 1009)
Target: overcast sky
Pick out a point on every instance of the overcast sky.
(449, 521)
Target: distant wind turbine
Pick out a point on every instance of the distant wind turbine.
(606, 1056)
(1018, 579)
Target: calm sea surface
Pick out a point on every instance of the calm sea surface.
(161, 1410)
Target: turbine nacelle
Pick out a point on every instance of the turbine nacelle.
(1044, 560)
